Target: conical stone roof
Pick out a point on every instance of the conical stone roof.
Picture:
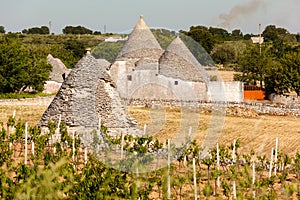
(178, 62)
(88, 94)
(141, 43)
(58, 69)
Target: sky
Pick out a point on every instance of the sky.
(120, 16)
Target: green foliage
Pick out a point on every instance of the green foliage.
(23, 95)
(51, 175)
(197, 50)
(202, 35)
(163, 36)
(291, 64)
(2, 29)
(37, 30)
(208, 190)
(236, 34)
(76, 30)
(273, 33)
(22, 66)
(223, 54)
(219, 34)
(108, 50)
(45, 183)
(253, 65)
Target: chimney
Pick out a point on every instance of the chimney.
(88, 51)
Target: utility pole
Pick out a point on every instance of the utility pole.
(260, 39)
(50, 25)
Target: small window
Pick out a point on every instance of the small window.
(129, 77)
(176, 82)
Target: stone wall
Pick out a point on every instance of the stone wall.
(39, 101)
(286, 100)
(247, 109)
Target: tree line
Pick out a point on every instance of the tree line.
(44, 30)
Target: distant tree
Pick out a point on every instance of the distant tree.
(270, 33)
(291, 65)
(45, 30)
(253, 65)
(236, 34)
(298, 37)
(229, 52)
(199, 52)
(276, 80)
(284, 75)
(202, 35)
(247, 36)
(223, 54)
(163, 36)
(76, 30)
(273, 33)
(97, 33)
(279, 48)
(219, 34)
(76, 47)
(108, 50)
(37, 30)
(2, 29)
(21, 66)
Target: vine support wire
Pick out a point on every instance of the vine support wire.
(195, 180)
(32, 148)
(271, 163)
(85, 155)
(253, 173)
(122, 145)
(276, 155)
(57, 129)
(234, 189)
(13, 127)
(253, 180)
(145, 129)
(73, 146)
(218, 165)
(26, 147)
(169, 163)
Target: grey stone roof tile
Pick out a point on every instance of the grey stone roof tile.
(140, 38)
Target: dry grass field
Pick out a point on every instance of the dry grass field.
(257, 133)
(26, 113)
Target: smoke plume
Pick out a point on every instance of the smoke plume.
(241, 10)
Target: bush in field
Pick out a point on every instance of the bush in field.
(21, 67)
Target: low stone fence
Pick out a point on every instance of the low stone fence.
(240, 109)
(39, 101)
(286, 100)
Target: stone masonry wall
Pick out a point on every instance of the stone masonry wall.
(243, 109)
